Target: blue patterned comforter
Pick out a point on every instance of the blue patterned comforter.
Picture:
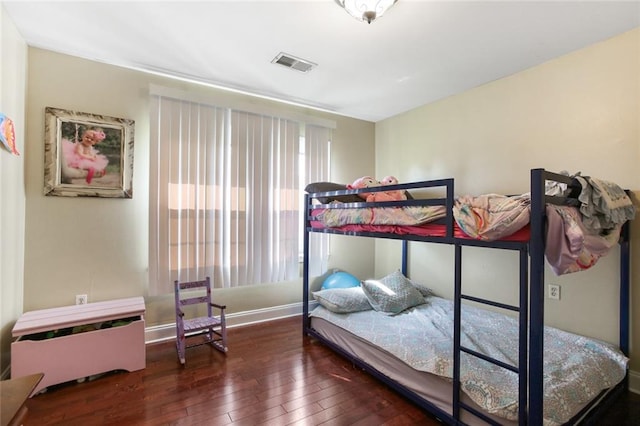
(576, 368)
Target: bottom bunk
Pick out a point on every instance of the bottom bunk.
(579, 370)
(423, 388)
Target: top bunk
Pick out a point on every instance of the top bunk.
(588, 211)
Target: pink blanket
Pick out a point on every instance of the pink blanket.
(571, 247)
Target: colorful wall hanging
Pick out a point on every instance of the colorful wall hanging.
(8, 134)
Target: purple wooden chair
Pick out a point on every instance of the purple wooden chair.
(210, 329)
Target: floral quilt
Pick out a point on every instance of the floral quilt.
(410, 215)
(491, 217)
(576, 368)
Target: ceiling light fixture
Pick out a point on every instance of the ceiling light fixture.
(366, 10)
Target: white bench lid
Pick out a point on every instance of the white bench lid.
(70, 316)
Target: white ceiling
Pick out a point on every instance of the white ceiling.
(419, 52)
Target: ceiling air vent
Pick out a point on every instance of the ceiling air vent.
(292, 62)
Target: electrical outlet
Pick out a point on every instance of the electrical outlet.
(81, 299)
(554, 291)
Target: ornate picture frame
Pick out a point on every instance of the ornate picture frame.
(87, 155)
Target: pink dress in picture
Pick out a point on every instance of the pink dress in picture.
(77, 162)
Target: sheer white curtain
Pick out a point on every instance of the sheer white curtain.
(264, 164)
(317, 159)
(224, 195)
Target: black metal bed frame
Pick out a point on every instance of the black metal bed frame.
(531, 298)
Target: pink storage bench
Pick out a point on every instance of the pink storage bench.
(63, 356)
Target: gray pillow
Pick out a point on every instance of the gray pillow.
(343, 300)
(392, 294)
(423, 289)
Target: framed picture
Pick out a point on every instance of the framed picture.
(87, 155)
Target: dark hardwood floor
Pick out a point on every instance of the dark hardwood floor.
(271, 375)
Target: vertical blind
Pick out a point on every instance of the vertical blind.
(317, 151)
(225, 194)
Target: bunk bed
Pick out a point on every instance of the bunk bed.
(452, 399)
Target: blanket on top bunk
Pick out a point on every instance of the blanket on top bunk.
(570, 246)
(487, 217)
(491, 217)
(410, 215)
(576, 368)
(603, 204)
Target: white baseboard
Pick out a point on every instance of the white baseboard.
(634, 381)
(161, 333)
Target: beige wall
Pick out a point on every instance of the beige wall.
(579, 112)
(13, 66)
(99, 246)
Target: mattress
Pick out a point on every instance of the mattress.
(577, 368)
(433, 229)
(428, 386)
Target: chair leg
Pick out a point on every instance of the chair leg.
(215, 339)
(223, 331)
(180, 346)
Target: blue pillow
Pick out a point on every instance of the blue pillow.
(340, 280)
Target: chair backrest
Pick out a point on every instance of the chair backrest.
(189, 287)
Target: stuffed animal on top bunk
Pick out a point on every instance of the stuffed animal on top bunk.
(372, 197)
(364, 182)
(396, 195)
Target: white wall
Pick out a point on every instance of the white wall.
(13, 66)
(579, 112)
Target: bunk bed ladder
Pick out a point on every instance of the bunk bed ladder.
(528, 414)
(458, 348)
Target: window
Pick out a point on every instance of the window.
(225, 193)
